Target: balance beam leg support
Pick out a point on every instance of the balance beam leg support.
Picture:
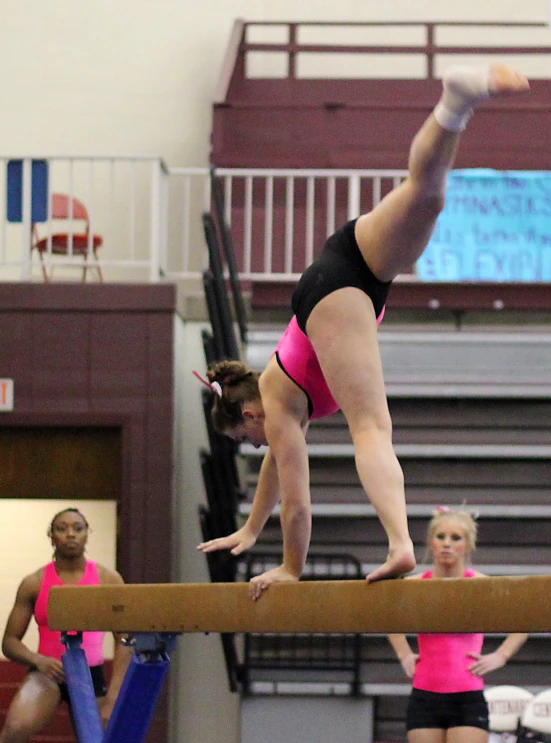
(136, 701)
(81, 692)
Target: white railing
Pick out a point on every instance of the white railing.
(125, 199)
(279, 219)
(149, 216)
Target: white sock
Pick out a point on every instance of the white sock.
(464, 88)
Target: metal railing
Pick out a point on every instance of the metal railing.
(279, 219)
(149, 216)
(375, 49)
(125, 198)
(329, 654)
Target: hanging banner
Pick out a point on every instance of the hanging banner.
(496, 226)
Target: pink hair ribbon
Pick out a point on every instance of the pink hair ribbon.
(213, 386)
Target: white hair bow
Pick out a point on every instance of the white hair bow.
(214, 386)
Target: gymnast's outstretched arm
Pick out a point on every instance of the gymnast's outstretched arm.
(265, 500)
(288, 445)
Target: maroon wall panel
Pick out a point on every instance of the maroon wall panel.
(496, 297)
(102, 355)
(294, 122)
(504, 135)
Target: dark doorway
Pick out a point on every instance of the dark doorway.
(61, 462)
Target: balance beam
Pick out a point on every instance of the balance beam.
(503, 604)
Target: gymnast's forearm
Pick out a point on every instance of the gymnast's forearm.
(18, 652)
(400, 645)
(511, 645)
(296, 525)
(296, 514)
(266, 495)
(290, 456)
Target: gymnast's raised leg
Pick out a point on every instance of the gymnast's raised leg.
(342, 326)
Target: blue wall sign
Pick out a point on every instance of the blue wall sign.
(496, 226)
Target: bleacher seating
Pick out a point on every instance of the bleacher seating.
(468, 427)
(492, 452)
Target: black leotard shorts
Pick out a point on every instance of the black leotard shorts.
(429, 709)
(98, 680)
(340, 264)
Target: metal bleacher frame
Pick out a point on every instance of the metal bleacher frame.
(229, 255)
(220, 313)
(218, 464)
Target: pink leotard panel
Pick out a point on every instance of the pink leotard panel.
(443, 659)
(49, 641)
(296, 356)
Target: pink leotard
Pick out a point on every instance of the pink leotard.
(297, 358)
(443, 659)
(49, 641)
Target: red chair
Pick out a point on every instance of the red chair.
(69, 208)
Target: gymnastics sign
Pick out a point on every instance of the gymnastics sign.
(496, 226)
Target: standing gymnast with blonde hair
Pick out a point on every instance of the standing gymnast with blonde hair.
(447, 704)
(329, 356)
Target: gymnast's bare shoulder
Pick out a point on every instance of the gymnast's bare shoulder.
(108, 576)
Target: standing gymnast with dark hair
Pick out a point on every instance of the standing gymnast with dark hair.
(329, 356)
(44, 686)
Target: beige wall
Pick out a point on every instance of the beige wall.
(24, 546)
(138, 76)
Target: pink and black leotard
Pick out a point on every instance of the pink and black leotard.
(341, 264)
(296, 357)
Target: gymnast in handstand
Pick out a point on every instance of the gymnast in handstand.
(329, 357)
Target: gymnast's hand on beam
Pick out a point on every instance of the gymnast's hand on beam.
(260, 583)
(238, 542)
(485, 663)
